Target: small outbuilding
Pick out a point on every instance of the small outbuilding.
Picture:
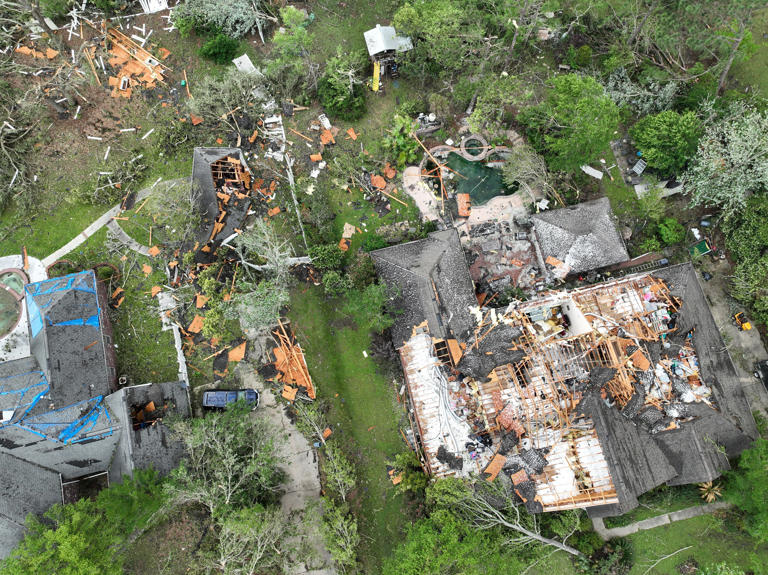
(383, 43)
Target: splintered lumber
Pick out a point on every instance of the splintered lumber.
(290, 362)
(197, 325)
(300, 134)
(238, 353)
(391, 197)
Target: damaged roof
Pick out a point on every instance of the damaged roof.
(584, 236)
(434, 286)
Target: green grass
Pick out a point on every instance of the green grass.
(363, 414)
(754, 72)
(145, 353)
(711, 542)
(657, 502)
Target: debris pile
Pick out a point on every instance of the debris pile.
(291, 365)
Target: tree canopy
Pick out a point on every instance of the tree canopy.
(747, 488)
(574, 123)
(667, 140)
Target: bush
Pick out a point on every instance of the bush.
(221, 49)
(374, 242)
(54, 8)
(362, 272)
(411, 108)
(326, 257)
(649, 244)
(671, 231)
(340, 90)
(399, 142)
(579, 57)
(667, 139)
(614, 558)
(368, 308)
(335, 283)
(439, 105)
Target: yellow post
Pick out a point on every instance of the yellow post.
(376, 74)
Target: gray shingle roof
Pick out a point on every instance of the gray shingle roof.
(583, 236)
(434, 283)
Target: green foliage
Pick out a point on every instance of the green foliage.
(671, 231)
(235, 18)
(289, 60)
(615, 558)
(220, 49)
(750, 286)
(580, 57)
(411, 108)
(667, 139)
(338, 471)
(731, 164)
(233, 461)
(747, 488)
(495, 96)
(439, 105)
(721, 569)
(650, 244)
(746, 232)
(399, 142)
(414, 479)
(443, 544)
(106, 6)
(335, 283)
(326, 257)
(339, 529)
(368, 307)
(340, 89)
(75, 540)
(259, 306)
(55, 8)
(374, 242)
(129, 505)
(575, 122)
(216, 95)
(362, 272)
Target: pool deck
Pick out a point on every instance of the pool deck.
(15, 345)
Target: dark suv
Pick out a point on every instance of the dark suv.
(761, 372)
(220, 398)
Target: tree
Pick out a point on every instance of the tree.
(338, 471)
(341, 88)
(215, 96)
(490, 505)
(495, 95)
(671, 231)
(290, 67)
(339, 530)
(259, 306)
(221, 49)
(443, 544)
(335, 283)
(400, 143)
(749, 285)
(732, 161)
(73, 541)
(261, 243)
(368, 307)
(667, 140)
(232, 461)
(235, 18)
(526, 168)
(575, 122)
(250, 541)
(650, 97)
(326, 257)
(746, 232)
(747, 488)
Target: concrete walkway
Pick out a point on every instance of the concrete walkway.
(102, 221)
(658, 521)
(125, 239)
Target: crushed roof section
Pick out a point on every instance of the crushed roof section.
(434, 283)
(583, 237)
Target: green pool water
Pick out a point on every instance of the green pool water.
(9, 311)
(482, 183)
(13, 281)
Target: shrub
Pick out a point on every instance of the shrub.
(326, 257)
(374, 242)
(671, 231)
(220, 49)
(399, 142)
(367, 308)
(340, 90)
(667, 139)
(439, 104)
(579, 57)
(362, 272)
(335, 283)
(411, 108)
(649, 244)
(54, 8)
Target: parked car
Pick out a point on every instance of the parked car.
(761, 372)
(220, 398)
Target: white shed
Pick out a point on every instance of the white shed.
(383, 39)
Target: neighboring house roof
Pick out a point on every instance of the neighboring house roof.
(385, 39)
(434, 283)
(583, 236)
(60, 420)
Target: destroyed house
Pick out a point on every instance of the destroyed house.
(223, 181)
(579, 238)
(580, 399)
(64, 420)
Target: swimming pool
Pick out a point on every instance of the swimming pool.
(480, 182)
(12, 283)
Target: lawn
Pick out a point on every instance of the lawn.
(363, 413)
(754, 72)
(657, 502)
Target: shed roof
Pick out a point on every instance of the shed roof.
(583, 236)
(385, 39)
